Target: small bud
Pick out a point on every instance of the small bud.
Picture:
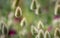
(12, 32)
(18, 19)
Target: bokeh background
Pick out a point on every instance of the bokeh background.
(38, 14)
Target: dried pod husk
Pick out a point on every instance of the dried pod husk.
(18, 12)
(57, 33)
(47, 35)
(33, 5)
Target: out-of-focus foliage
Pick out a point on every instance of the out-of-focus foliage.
(20, 26)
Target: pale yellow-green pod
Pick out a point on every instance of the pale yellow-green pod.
(47, 35)
(33, 5)
(18, 12)
(57, 6)
(40, 25)
(23, 22)
(13, 4)
(57, 33)
(38, 9)
(40, 34)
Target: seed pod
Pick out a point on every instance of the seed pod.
(23, 22)
(18, 15)
(57, 33)
(40, 25)
(15, 3)
(34, 30)
(38, 10)
(33, 5)
(47, 35)
(57, 7)
(18, 12)
(3, 28)
(40, 34)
